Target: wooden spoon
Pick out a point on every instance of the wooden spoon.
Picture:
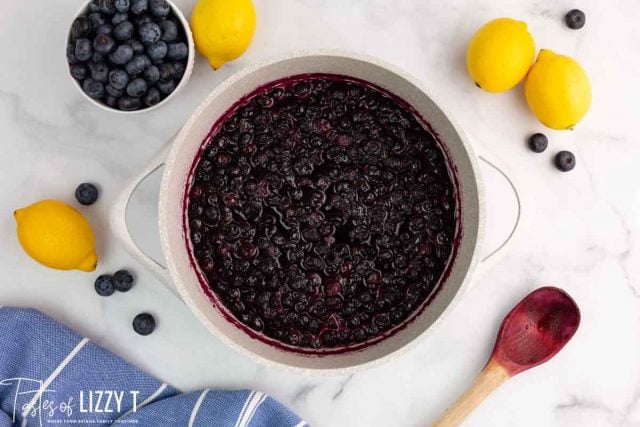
(532, 333)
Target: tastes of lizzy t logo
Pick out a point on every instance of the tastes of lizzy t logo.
(34, 400)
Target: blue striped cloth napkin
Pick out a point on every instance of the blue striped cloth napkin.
(49, 375)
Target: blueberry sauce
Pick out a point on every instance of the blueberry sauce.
(322, 213)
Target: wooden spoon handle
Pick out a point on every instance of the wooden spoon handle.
(491, 377)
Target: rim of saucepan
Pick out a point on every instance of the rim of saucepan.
(168, 175)
(183, 81)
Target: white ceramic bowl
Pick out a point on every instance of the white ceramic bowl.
(185, 277)
(84, 10)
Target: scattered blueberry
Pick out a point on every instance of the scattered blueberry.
(575, 19)
(116, 93)
(83, 50)
(144, 324)
(137, 47)
(100, 72)
(123, 31)
(137, 87)
(129, 103)
(121, 5)
(137, 65)
(121, 55)
(159, 8)
(104, 29)
(118, 78)
(81, 28)
(538, 142)
(119, 18)
(103, 44)
(152, 97)
(565, 161)
(93, 88)
(123, 280)
(79, 71)
(139, 6)
(169, 30)
(93, 6)
(149, 33)
(152, 74)
(96, 19)
(96, 58)
(104, 285)
(86, 194)
(177, 51)
(166, 87)
(157, 50)
(167, 71)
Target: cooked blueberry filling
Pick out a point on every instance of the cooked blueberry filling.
(322, 212)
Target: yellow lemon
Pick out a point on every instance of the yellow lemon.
(223, 29)
(500, 54)
(57, 236)
(557, 90)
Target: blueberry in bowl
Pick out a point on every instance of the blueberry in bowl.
(116, 49)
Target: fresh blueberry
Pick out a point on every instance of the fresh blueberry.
(86, 194)
(565, 161)
(119, 18)
(100, 72)
(83, 50)
(169, 31)
(152, 97)
(137, 47)
(179, 67)
(177, 51)
(81, 28)
(104, 285)
(93, 88)
(121, 55)
(137, 65)
(93, 6)
(79, 71)
(118, 78)
(104, 29)
(538, 142)
(116, 93)
(123, 31)
(106, 6)
(111, 101)
(167, 71)
(159, 8)
(157, 51)
(96, 19)
(123, 280)
(152, 74)
(137, 87)
(140, 20)
(575, 19)
(71, 54)
(144, 324)
(139, 6)
(103, 44)
(149, 33)
(166, 87)
(96, 58)
(121, 5)
(129, 103)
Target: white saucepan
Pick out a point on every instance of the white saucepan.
(183, 276)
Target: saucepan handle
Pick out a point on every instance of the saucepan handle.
(496, 253)
(118, 219)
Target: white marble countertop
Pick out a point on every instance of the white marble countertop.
(583, 227)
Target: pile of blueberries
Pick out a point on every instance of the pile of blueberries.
(128, 54)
